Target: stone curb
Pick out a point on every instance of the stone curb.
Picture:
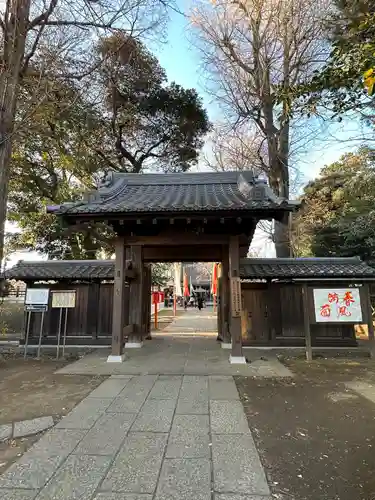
(25, 428)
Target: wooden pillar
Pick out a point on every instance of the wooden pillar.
(147, 302)
(219, 310)
(149, 285)
(119, 292)
(370, 324)
(237, 356)
(306, 320)
(137, 306)
(225, 293)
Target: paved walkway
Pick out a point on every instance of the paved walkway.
(194, 321)
(170, 352)
(167, 425)
(145, 438)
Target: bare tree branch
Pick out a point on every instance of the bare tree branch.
(248, 49)
(43, 18)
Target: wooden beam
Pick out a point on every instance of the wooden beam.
(235, 324)
(188, 253)
(177, 239)
(306, 321)
(119, 297)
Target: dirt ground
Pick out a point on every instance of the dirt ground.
(316, 438)
(30, 389)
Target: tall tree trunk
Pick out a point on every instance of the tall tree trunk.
(15, 32)
(279, 181)
(282, 229)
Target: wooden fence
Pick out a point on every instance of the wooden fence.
(273, 315)
(89, 322)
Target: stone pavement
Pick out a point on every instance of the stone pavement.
(178, 355)
(25, 428)
(170, 352)
(148, 437)
(194, 321)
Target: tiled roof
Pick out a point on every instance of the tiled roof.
(308, 268)
(184, 192)
(62, 269)
(249, 269)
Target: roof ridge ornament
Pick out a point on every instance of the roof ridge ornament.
(108, 187)
(244, 187)
(272, 196)
(257, 191)
(106, 180)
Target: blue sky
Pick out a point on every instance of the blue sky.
(182, 64)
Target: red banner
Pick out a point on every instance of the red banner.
(186, 286)
(214, 280)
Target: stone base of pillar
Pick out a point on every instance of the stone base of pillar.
(237, 360)
(116, 359)
(133, 345)
(226, 345)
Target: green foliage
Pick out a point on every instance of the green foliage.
(161, 273)
(62, 149)
(338, 213)
(154, 124)
(54, 160)
(346, 79)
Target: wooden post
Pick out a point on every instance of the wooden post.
(237, 356)
(306, 320)
(219, 311)
(370, 324)
(148, 301)
(118, 317)
(225, 297)
(137, 297)
(225, 294)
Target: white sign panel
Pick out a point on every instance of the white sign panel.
(337, 305)
(64, 299)
(37, 296)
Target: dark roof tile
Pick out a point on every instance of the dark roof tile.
(301, 268)
(186, 192)
(249, 269)
(62, 269)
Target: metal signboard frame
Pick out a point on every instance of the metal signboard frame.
(68, 302)
(36, 301)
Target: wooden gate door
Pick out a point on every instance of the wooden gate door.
(255, 325)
